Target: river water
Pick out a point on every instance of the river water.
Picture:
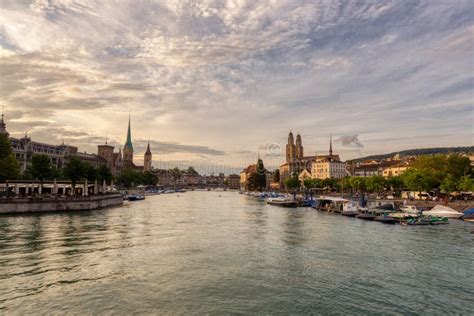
(225, 253)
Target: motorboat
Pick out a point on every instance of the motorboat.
(386, 219)
(335, 205)
(428, 220)
(367, 215)
(468, 215)
(136, 197)
(411, 209)
(282, 201)
(401, 216)
(443, 211)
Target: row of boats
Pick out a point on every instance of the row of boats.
(387, 213)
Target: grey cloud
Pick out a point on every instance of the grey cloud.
(169, 148)
(350, 140)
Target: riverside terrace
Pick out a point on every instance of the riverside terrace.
(25, 188)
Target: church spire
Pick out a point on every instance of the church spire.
(148, 151)
(330, 144)
(128, 144)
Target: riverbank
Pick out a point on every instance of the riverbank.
(58, 204)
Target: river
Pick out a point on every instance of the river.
(225, 253)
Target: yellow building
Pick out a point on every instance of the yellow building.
(395, 169)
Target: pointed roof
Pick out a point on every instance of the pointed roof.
(148, 151)
(330, 144)
(128, 143)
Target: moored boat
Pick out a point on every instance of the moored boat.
(386, 219)
(443, 211)
(366, 215)
(468, 215)
(428, 220)
(283, 202)
(136, 197)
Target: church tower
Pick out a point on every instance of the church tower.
(128, 149)
(290, 149)
(330, 145)
(3, 128)
(299, 148)
(147, 160)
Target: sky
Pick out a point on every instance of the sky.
(216, 83)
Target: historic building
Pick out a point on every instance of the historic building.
(127, 154)
(114, 160)
(128, 149)
(147, 159)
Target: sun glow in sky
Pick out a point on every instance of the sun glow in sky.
(216, 81)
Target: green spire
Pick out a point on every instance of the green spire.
(128, 144)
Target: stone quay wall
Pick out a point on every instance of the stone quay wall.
(58, 204)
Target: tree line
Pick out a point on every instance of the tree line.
(447, 173)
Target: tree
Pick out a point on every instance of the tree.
(41, 168)
(90, 173)
(176, 174)
(130, 178)
(276, 176)
(419, 180)
(74, 171)
(309, 183)
(330, 183)
(376, 183)
(293, 183)
(466, 183)
(395, 183)
(149, 178)
(448, 185)
(103, 173)
(358, 183)
(9, 166)
(192, 171)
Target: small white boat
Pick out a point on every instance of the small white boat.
(410, 209)
(443, 211)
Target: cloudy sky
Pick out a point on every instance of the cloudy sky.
(217, 81)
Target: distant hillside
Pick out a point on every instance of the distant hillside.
(420, 151)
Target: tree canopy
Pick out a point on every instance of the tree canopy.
(9, 166)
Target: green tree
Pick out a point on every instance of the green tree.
(376, 183)
(103, 173)
(449, 184)
(74, 171)
(309, 184)
(257, 181)
(149, 178)
(395, 183)
(90, 173)
(293, 183)
(192, 171)
(358, 183)
(9, 166)
(41, 168)
(419, 180)
(176, 174)
(466, 183)
(130, 178)
(276, 176)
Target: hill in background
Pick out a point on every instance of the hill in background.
(419, 152)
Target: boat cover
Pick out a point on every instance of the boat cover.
(469, 211)
(443, 208)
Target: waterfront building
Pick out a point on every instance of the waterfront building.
(395, 168)
(329, 166)
(247, 172)
(233, 181)
(296, 162)
(113, 159)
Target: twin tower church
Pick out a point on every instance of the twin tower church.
(117, 162)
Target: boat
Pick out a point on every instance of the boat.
(428, 220)
(443, 211)
(386, 219)
(350, 208)
(410, 209)
(468, 215)
(282, 201)
(366, 215)
(136, 197)
(402, 217)
(334, 204)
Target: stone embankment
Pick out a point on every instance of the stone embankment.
(58, 204)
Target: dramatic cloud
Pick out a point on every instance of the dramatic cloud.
(350, 140)
(219, 79)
